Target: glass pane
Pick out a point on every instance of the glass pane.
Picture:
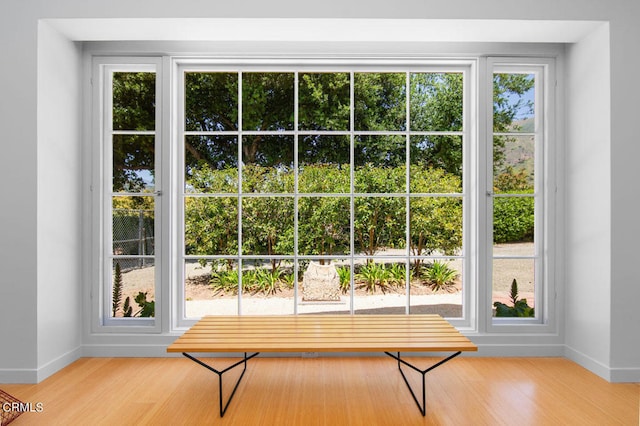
(267, 101)
(211, 225)
(513, 219)
(440, 157)
(380, 101)
(436, 226)
(513, 102)
(436, 287)
(380, 224)
(505, 302)
(267, 287)
(324, 286)
(210, 287)
(436, 102)
(211, 101)
(267, 225)
(211, 164)
(323, 225)
(513, 163)
(134, 101)
(133, 288)
(133, 225)
(380, 164)
(324, 101)
(324, 165)
(380, 286)
(133, 163)
(268, 164)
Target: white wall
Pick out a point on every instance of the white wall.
(587, 226)
(31, 283)
(59, 197)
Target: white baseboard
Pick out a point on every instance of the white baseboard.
(59, 363)
(610, 374)
(19, 375)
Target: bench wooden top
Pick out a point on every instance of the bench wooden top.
(322, 333)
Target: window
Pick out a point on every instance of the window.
(291, 187)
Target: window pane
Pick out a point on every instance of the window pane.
(380, 224)
(513, 163)
(436, 226)
(133, 225)
(380, 164)
(133, 288)
(438, 152)
(324, 286)
(211, 225)
(133, 163)
(268, 164)
(267, 225)
(324, 164)
(267, 101)
(505, 271)
(211, 164)
(134, 101)
(513, 102)
(436, 101)
(324, 101)
(380, 101)
(513, 219)
(323, 225)
(380, 286)
(211, 101)
(267, 277)
(436, 287)
(211, 287)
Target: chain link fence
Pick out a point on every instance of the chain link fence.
(133, 235)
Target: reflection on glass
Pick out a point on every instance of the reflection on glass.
(513, 102)
(436, 287)
(436, 226)
(267, 277)
(133, 225)
(513, 219)
(210, 287)
(380, 164)
(211, 225)
(211, 101)
(380, 286)
(436, 101)
(513, 163)
(380, 101)
(133, 288)
(505, 271)
(324, 286)
(324, 164)
(268, 164)
(437, 152)
(211, 164)
(324, 101)
(133, 163)
(267, 101)
(379, 224)
(323, 225)
(134, 100)
(267, 225)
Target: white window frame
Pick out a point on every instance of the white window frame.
(477, 178)
(101, 82)
(469, 135)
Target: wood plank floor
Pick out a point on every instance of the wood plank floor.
(328, 391)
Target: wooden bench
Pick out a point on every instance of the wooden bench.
(391, 334)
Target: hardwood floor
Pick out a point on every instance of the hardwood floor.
(328, 391)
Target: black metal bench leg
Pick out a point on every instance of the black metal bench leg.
(223, 406)
(422, 405)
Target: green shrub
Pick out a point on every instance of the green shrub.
(519, 307)
(440, 275)
(513, 219)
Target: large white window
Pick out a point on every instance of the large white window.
(292, 187)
